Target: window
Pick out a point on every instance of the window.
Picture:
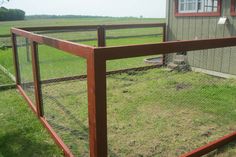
(187, 6)
(198, 7)
(233, 8)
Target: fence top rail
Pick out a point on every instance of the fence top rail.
(109, 53)
(67, 46)
(93, 27)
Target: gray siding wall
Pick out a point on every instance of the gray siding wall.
(189, 28)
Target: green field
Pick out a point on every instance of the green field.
(5, 26)
(52, 60)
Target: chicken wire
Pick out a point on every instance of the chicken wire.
(159, 112)
(5, 41)
(132, 36)
(119, 37)
(64, 92)
(86, 36)
(166, 112)
(25, 67)
(6, 64)
(64, 97)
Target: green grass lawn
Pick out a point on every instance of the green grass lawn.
(4, 79)
(152, 113)
(21, 134)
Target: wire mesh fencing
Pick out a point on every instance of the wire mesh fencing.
(163, 111)
(169, 111)
(115, 35)
(82, 36)
(25, 67)
(64, 97)
(129, 36)
(57, 82)
(5, 42)
(134, 36)
(6, 64)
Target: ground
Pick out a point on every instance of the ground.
(21, 134)
(150, 113)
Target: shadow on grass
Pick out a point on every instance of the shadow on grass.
(224, 150)
(17, 144)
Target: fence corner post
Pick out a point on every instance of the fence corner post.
(97, 107)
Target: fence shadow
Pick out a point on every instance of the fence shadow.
(223, 149)
(19, 143)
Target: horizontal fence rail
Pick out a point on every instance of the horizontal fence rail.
(94, 27)
(96, 59)
(120, 52)
(66, 29)
(73, 48)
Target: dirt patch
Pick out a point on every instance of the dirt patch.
(182, 86)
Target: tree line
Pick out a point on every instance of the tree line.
(11, 14)
(62, 16)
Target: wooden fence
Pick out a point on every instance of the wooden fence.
(96, 58)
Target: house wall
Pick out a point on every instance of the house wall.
(189, 28)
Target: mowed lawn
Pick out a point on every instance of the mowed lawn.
(21, 134)
(154, 113)
(150, 113)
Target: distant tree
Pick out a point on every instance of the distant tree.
(11, 14)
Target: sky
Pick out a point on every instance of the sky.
(116, 8)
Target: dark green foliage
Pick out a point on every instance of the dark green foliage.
(11, 14)
(63, 16)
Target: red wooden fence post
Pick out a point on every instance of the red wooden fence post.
(36, 74)
(15, 59)
(97, 107)
(101, 33)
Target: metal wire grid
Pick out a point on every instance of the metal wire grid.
(168, 113)
(5, 42)
(62, 101)
(65, 97)
(65, 108)
(88, 37)
(133, 36)
(25, 67)
(198, 122)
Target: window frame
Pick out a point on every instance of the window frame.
(233, 8)
(217, 13)
(187, 11)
